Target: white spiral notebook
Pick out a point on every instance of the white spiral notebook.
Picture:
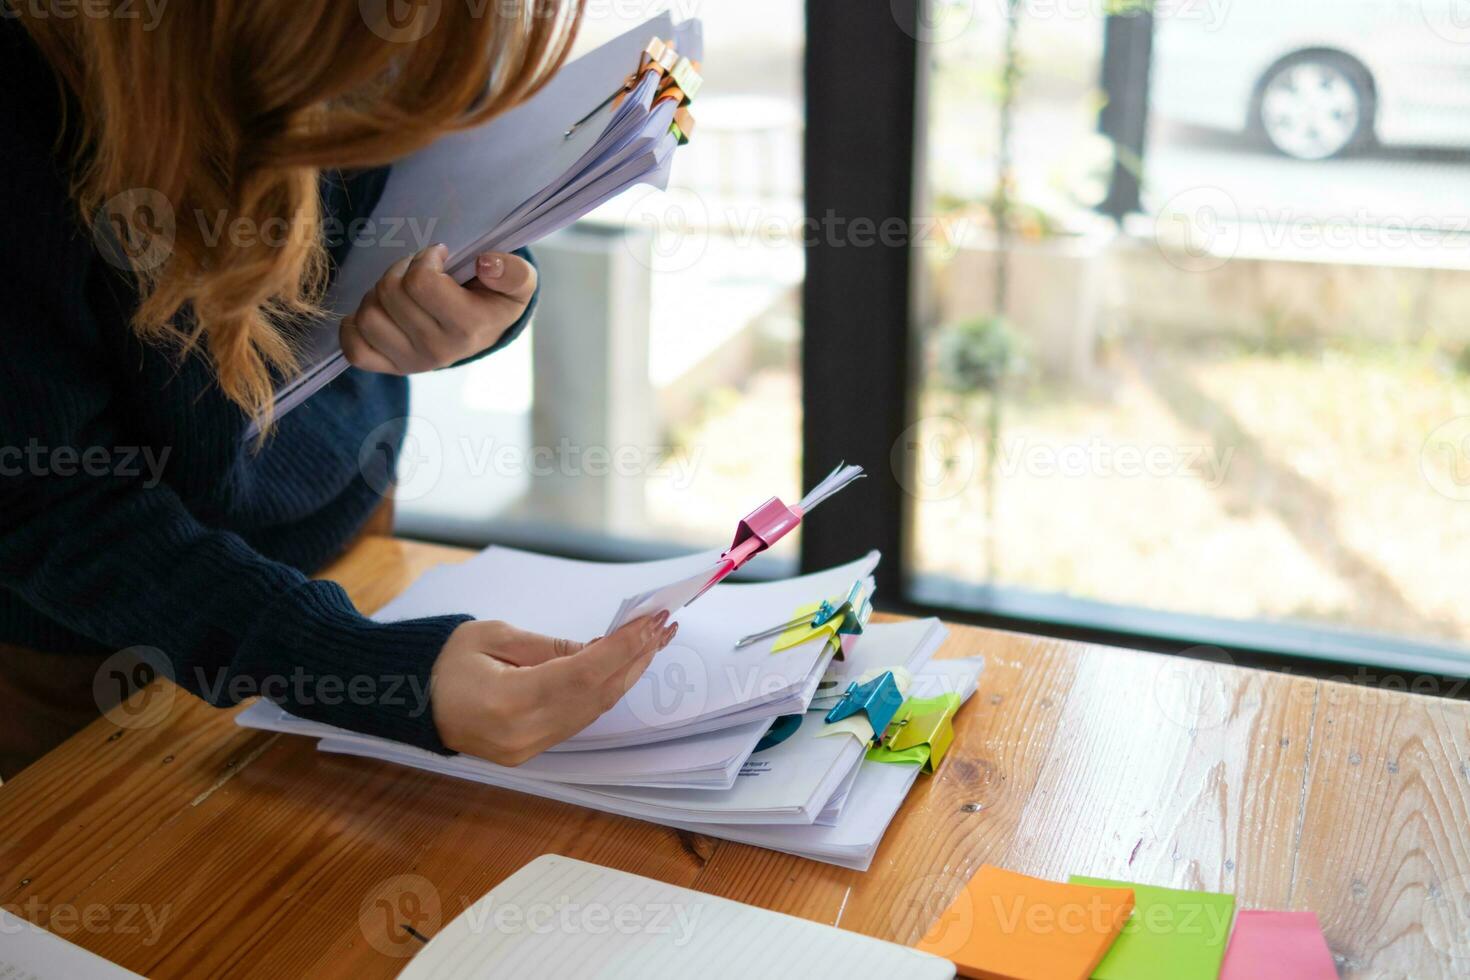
(560, 917)
(28, 952)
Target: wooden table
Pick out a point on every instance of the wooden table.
(191, 846)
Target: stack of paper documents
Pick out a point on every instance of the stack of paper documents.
(512, 181)
(693, 744)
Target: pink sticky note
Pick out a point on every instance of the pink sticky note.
(1277, 946)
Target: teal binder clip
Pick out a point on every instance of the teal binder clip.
(855, 610)
(879, 699)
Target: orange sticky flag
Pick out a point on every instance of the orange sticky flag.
(1008, 926)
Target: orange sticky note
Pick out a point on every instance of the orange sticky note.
(1008, 926)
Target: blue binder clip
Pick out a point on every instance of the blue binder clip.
(879, 699)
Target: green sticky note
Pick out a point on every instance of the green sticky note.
(918, 755)
(1172, 935)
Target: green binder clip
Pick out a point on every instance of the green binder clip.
(686, 76)
(921, 731)
(683, 125)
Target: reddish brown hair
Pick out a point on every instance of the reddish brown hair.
(234, 107)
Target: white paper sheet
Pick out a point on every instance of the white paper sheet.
(708, 761)
(790, 783)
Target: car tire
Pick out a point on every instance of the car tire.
(1315, 106)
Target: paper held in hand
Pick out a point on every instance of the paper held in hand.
(519, 177)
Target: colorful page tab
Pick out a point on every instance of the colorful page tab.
(1278, 946)
(1174, 934)
(916, 756)
(1008, 926)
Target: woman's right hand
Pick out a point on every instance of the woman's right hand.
(504, 694)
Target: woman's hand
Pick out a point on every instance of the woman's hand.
(505, 695)
(418, 318)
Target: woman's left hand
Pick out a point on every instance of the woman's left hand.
(418, 318)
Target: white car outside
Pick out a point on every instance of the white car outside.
(1317, 78)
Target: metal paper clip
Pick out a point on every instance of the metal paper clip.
(879, 699)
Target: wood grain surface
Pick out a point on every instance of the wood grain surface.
(173, 842)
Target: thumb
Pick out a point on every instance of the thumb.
(595, 663)
(508, 275)
(525, 649)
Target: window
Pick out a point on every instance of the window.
(1249, 402)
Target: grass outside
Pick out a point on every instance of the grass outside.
(1209, 479)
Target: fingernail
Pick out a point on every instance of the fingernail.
(670, 633)
(490, 266)
(661, 618)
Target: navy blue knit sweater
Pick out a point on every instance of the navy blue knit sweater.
(133, 512)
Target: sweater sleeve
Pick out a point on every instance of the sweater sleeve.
(89, 541)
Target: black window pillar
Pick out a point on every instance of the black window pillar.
(862, 96)
(1127, 53)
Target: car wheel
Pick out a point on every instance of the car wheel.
(1317, 106)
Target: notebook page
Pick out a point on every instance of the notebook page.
(652, 931)
(28, 952)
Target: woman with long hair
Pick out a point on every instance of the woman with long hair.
(174, 187)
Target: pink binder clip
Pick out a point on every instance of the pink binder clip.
(761, 528)
(757, 531)
(772, 521)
